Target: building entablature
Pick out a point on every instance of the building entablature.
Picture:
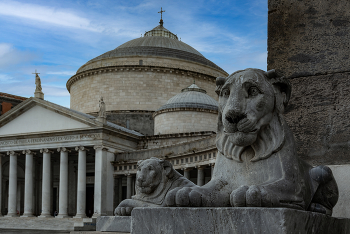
(181, 71)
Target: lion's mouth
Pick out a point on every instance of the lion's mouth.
(231, 133)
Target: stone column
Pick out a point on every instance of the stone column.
(116, 191)
(212, 169)
(200, 177)
(1, 184)
(81, 188)
(63, 188)
(187, 173)
(46, 182)
(128, 186)
(120, 189)
(12, 198)
(28, 184)
(100, 181)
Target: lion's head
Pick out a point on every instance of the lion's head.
(151, 173)
(251, 102)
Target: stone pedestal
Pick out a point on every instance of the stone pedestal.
(39, 94)
(113, 224)
(234, 220)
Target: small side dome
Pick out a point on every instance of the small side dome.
(192, 110)
(191, 97)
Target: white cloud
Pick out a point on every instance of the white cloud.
(5, 79)
(63, 73)
(50, 15)
(11, 56)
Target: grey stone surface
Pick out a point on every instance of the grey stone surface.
(234, 220)
(113, 224)
(154, 179)
(308, 37)
(308, 41)
(257, 164)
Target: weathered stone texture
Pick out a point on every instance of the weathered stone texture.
(113, 224)
(234, 220)
(185, 121)
(309, 42)
(308, 37)
(318, 114)
(342, 174)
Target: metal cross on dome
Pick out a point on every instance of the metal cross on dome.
(36, 73)
(161, 13)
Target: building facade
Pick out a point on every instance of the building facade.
(160, 102)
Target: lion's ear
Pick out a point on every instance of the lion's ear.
(139, 162)
(220, 81)
(282, 91)
(168, 168)
(282, 88)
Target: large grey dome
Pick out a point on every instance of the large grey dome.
(158, 42)
(191, 97)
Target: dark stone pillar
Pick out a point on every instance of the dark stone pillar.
(308, 42)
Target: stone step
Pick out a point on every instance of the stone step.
(85, 224)
(34, 223)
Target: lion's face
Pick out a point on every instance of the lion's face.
(250, 104)
(246, 102)
(149, 175)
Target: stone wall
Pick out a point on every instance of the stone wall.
(308, 41)
(185, 121)
(141, 122)
(128, 84)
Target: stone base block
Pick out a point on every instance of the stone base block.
(234, 220)
(113, 224)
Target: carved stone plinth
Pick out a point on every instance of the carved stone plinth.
(234, 220)
(39, 94)
(113, 224)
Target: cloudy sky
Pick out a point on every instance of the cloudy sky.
(57, 37)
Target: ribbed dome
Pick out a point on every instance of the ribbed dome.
(157, 42)
(191, 97)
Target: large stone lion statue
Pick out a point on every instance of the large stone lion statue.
(154, 179)
(257, 163)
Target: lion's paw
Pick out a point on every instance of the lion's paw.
(248, 196)
(123, 211)
(187, 196)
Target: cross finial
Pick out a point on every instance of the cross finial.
(161, 16)
(35, 72)
(161, 13)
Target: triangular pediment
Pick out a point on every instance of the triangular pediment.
(32, 117)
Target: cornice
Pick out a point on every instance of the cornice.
(137, 68)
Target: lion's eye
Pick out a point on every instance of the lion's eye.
(253, 91)
(225, 92)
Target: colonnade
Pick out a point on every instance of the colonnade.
(100, 178)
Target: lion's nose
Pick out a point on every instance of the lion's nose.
(235, 118)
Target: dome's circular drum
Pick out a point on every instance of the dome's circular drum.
(141, 74)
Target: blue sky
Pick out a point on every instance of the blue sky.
(57, 37)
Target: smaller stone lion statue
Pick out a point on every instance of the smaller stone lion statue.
(154, 179)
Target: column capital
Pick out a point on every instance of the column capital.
(187, 169)
(82, 148)
(28, 152)
(201, 167)
(46, 151)
(13, 153)
(100, 146)
(64, 149)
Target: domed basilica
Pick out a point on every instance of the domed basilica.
(152, 96)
